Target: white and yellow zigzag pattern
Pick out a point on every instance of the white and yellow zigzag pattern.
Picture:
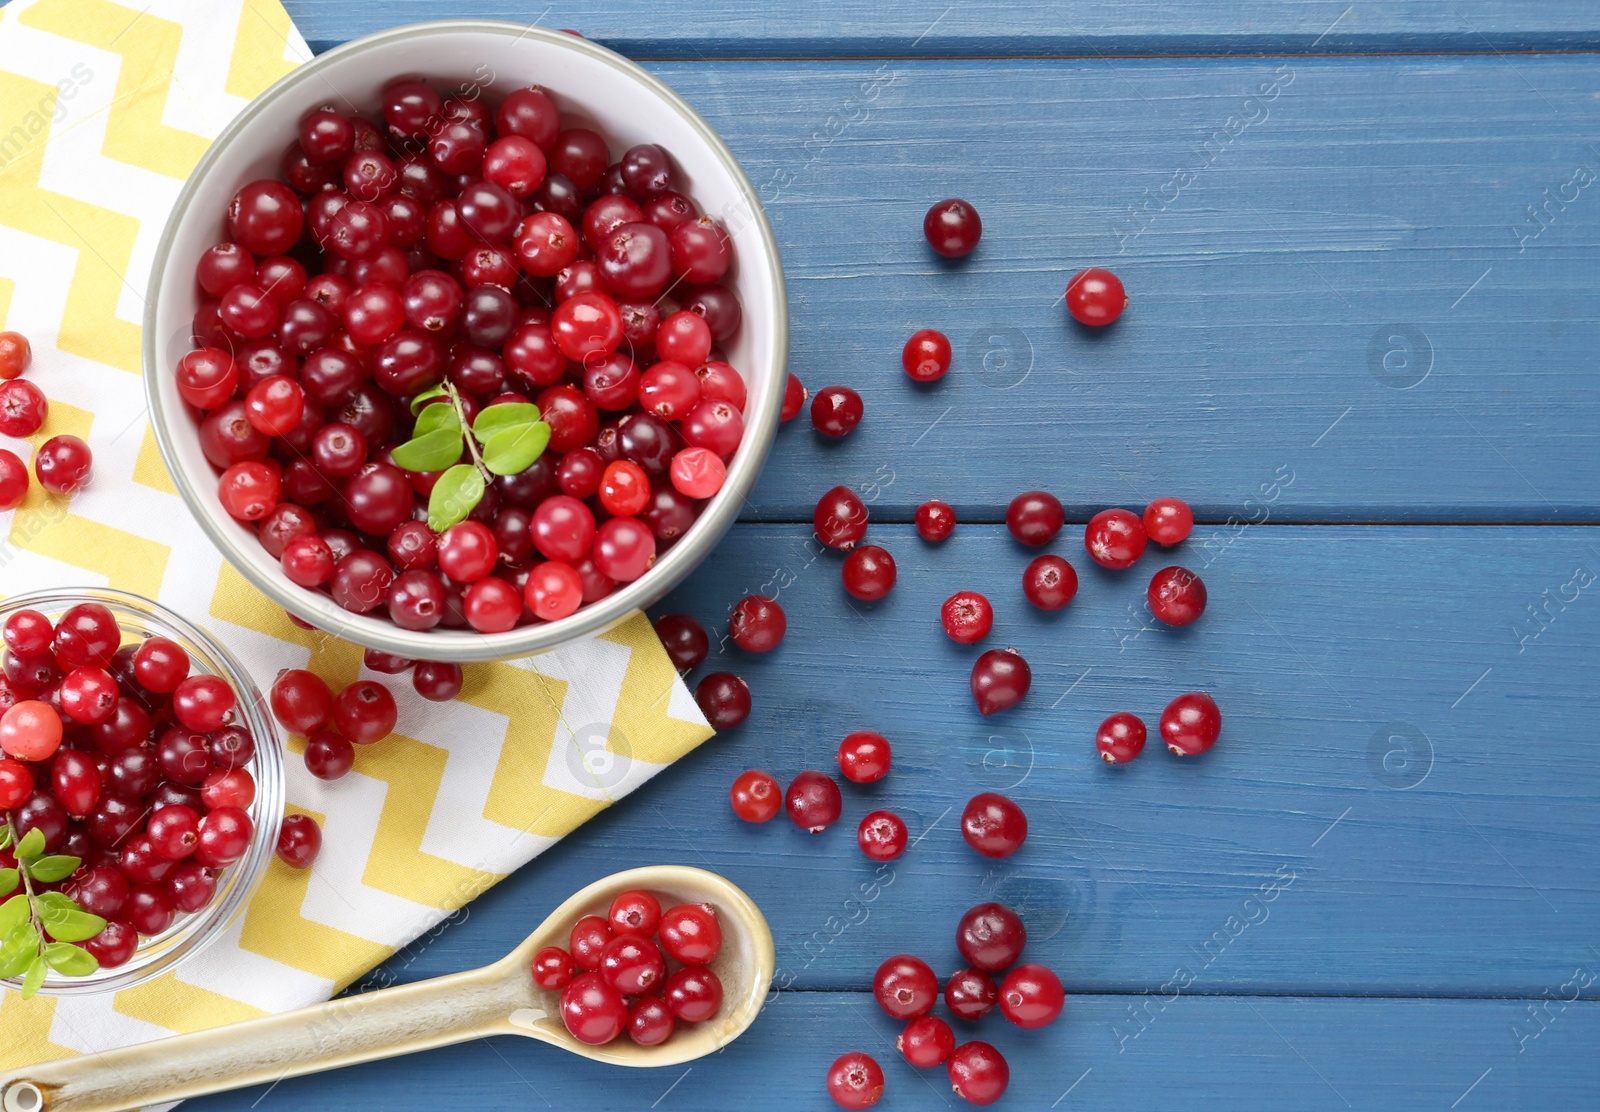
(104, 109)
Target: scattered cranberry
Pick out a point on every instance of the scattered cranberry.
(1049, 582)
(936, 520)
(926, 1042)
(553, 968)
(301, 701)
(62, 464)
(684, 639)
(1035, 517)
(994, 825)
(882, 835)
(13, 480)
(952, 228)
(365, 712)
(864, 757)
(1031, 996)
(23, 408)
(724, 699)
(978, 1073)
(855, 1080)
(1095, 297)
(1120, 738)
(1115, 538)
(15, 354)
(1190, 724)
(905, 987)
(299, 841)
(755, 796)
(967, 617)
(1176, 596)
(991, 936)
(970, 994)
(794, 399)
(868, 573)
(926, 356)
(836, 411)
(1000, 679)
(840, 519)
(329, 756)
(691, 934)
(813, 801)
(757, 624)
(1168, 521)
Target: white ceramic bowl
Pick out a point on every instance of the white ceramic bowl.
(593, 87)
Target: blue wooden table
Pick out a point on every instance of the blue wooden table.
(1361, 243)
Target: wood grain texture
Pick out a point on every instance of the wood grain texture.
(1267, 1053)
(936, 28)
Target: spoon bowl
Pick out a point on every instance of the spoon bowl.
(498, 999)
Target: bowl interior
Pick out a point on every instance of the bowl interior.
(593, 87)
(157, 954)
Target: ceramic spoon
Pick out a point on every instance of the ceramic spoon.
(499, 999)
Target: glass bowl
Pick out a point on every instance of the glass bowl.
(140, 618)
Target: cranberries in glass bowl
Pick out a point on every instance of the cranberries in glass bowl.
(477, 360)
(141, 761)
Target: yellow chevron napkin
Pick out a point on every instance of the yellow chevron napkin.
(104, 109)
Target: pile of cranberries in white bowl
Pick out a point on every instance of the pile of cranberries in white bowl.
(466, 339)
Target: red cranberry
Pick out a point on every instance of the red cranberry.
(23, 408)
(855, 1080)
(936, 520)
(994, 825)
(1049, 582)
(1176, 596)
(952, 228)
(1000, 679)
(701, 251)
(554, 590)
(228, 788)
(836, 411)
(265, 217)
(149, 910)
(100, 890)
(624, 549)
(76, 781)
(114, 945)
(864, 757)
(882, 835)
(16, 783)
(635, 912)
(174, 832)
(206, 377)
(190, 887)
(636, 259)
(203, 703)
(757, 624)
(1120, 738)
(794, 399)
(1115, 538)
(441, 681)
(926, 356)
(927, 1041)
(1035, 517)
(329, 756)
(967, 617)
(1095, 297)
(593, 1011)
(41, 811)
(970, 994)
(231, 747)
(1031, 996)
(650, 1021)
(840, 519)
(365, 712)
(553, 968)
(89, 696)
(631, 964)
(301, 701)
(530, 113)
(724, 699)
(62, 464)
(868, 573)
(813, 801)
(991, 936)
(978, 1073)
(905, 987)
(28, 633)
(224, 836)
(1168, 521)
(1190, 724)
(684, 639)
(691, 934)
(693, 995)
(755, 796)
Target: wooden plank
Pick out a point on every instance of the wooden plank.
(934, 28)
(1462, 858)
(1265, 1053)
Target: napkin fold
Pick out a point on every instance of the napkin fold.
(104, 110)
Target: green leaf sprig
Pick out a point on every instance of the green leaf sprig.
(503, 440)
(27, 916)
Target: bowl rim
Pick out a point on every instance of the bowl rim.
(468, 646)
(197, 931)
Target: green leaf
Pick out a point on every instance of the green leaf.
(433, 452)
(6, 837)
(454, 495)
(504, 415)
(12, 912)
(65, 920)
(18, 949)
(35, 977)
(436, 417)
(515, 448)
(51, 869)
(74, 961)
(427, 396)
(31, 846)
(9, 879)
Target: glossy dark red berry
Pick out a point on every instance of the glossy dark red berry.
(926, 356)
(936, 520)
(927, 1041)
(868, 573)
(553, 968)
(952, 228)
(1035, 517)
(684, 639)
(813, 801)
(978, 1073)
(1176, 596)
(970, 994)
(1114, 538)
(691, 934)
(693, 995)
(864, 757)
(1120, 738)
(855, 1080)
(991, 936)
(1031, 996)
(1095, 297)
(994, 825)
(634, 912)
(755, 796)
(593, 1011)
(794, 399)
(1190, 724)
(724, 699)
(1000, 679)
(905, 987)
(836, 411)
(299, 841)
(1049, 582)
(882, 835)
(757, 624)
(967, 617)
(840, 519)
(1168, 521)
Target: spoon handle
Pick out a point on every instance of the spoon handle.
(342, 1032)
